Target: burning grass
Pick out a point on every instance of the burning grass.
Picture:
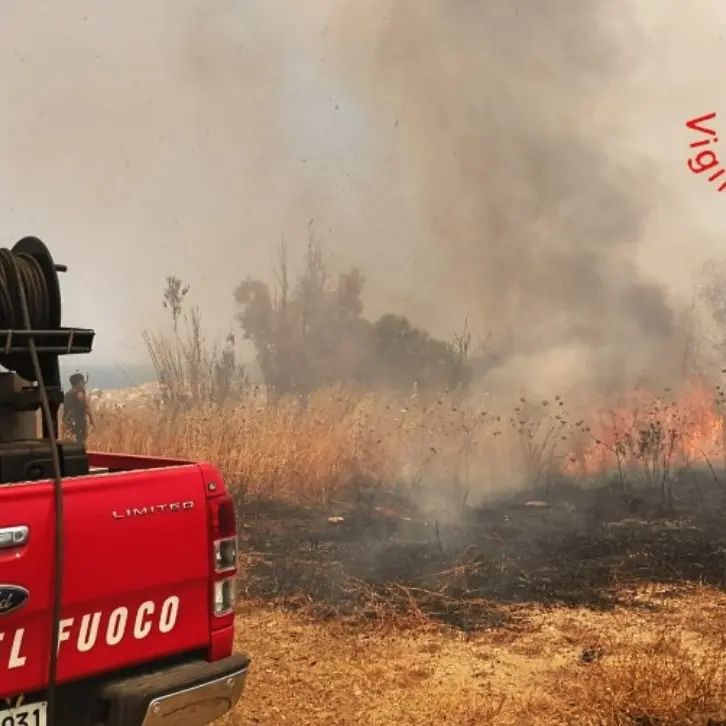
(441, 450)
(447, 596)
(310, 453)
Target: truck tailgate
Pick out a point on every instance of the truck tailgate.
(135, 578)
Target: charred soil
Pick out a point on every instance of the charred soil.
(376, 612)
(376, 552)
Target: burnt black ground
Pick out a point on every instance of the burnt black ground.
(587, 548)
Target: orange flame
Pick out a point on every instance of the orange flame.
(652, 430)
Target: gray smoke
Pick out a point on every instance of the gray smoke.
(493, 111)
(459, 152)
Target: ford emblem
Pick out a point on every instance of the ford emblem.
(12, 598)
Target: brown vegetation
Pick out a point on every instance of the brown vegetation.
(444, 603)
(415, 557)
(574, 667)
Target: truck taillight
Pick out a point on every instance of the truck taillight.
(223, 517)
(223, 537)
(225, 555)
(224, 596)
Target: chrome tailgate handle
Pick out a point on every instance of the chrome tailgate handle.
(13, 536)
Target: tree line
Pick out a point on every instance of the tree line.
(308, 332)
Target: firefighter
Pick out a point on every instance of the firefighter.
(76, 409)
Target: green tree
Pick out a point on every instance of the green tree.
(311, 333)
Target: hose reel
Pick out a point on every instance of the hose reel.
(31, 342)
(29, 284)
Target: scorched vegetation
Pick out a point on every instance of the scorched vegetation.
(428, 554)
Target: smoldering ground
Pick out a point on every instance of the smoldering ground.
(530, 225)
(585, 551)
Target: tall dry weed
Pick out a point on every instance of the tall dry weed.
(287, 451)
(308, 452)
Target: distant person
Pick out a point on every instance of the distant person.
(76, 409)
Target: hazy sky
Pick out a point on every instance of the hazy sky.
(146, 138)
(685, 44)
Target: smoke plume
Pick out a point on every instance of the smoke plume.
(460, 152)
(531, 223)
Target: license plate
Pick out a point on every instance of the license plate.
(31, 714)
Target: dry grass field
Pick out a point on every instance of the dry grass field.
(426, 562)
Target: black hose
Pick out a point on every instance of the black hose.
(25, 304)
(22, 279)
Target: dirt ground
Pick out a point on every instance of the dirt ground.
(587, 611)
(558, 667)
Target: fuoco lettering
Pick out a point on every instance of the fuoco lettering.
(88, 633)
(116, 626)
(64, 631)
(92, 627)
(169, 612)
(142, 625)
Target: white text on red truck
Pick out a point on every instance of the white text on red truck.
(120, 625)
